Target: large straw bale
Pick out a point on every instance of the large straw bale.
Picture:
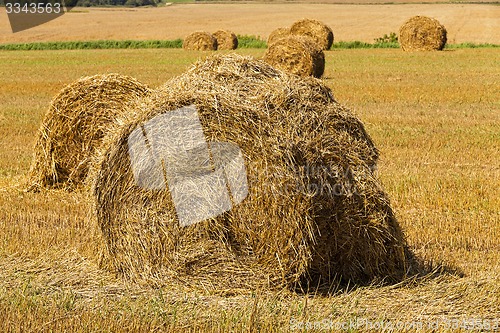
(421, 33)
(200, 41)
(314, 209)
(320, 32)
(226, 40)
(77, 119)
(296, 54)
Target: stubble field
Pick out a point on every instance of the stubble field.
(435, 118)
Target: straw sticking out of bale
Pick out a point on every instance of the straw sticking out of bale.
(277, 34)
(421, 33)
(200, 41)
(298, 55)
(314, 208)
(77, 119)
(226, 40)
(317, 30)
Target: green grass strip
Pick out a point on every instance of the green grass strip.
(92, 45)
(362, 45)
(470, 46)
(395, 45)
(243, 42)
(251, 42)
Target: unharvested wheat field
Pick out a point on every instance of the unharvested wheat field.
(436, 120)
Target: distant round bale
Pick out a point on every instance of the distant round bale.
(200, 41)
(74, 125)
(313, 211)
(317, 30)
(298, 55)
(277, 34)
(421, 33)
(226, 40)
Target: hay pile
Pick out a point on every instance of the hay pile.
(314, 208)
(200, 41)
(226, 40)
(277, 34)
(421, 33)
(317, 30)
(77, 119)
(296, 54)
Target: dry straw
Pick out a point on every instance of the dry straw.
(200, 41)
(298, 55)
(317, 30)
(226, 40)
(74, 125)
(277, 34)
(314, 210)
(421, 33)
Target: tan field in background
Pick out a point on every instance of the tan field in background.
(478, 23)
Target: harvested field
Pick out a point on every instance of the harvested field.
(476, 23)
(439, 153)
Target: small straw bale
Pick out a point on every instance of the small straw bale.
(317, 30)
(277, 34)
(314, 210)
(226, 40)
(421, 33)
(200, 41)
(298, 55)
(74, 126)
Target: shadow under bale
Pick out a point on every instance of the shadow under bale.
(313, 207)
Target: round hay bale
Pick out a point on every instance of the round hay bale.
(299, 55)
(74, 125)
(200, 41)
(317, 30)
(277, 34)
(226, 40)
(421, 33)
(313, 207)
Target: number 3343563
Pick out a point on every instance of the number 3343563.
(33, 8)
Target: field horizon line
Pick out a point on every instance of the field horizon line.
(245, 42)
